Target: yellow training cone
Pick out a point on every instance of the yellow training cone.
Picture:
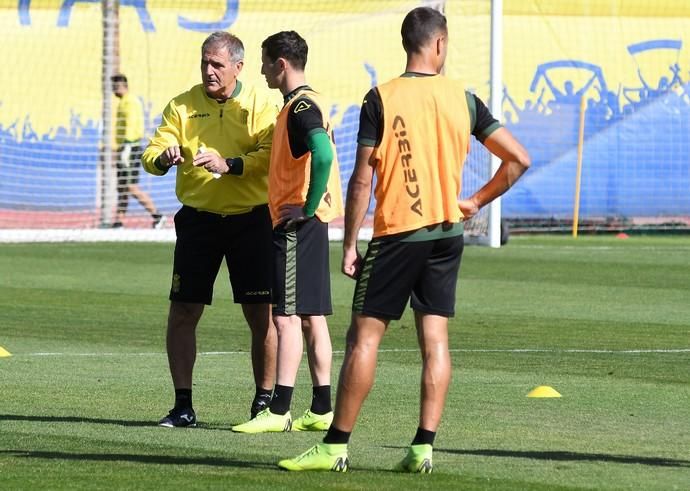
(543, 391)
(4, 353)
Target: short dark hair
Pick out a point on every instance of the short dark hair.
(232, 44)
(420, 26)
(288, 45)
(118, 77)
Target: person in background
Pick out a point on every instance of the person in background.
(129, 132)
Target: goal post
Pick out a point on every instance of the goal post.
(494, 232)
(107, 185)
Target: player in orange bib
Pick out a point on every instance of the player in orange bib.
(304, 194)
(414, 135)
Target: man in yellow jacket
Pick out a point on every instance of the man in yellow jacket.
(218, 136)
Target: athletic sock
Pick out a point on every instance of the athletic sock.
(321, 399)
(424, 437)
(282, 397)
(183, 398)
(260, 391)
(334, 435)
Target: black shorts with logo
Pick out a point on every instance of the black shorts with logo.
(301, 271)
(204, 239)
(395, 271)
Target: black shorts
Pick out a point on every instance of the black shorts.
(394, 270)
(128, 164)
(204, 239)
(301, 271)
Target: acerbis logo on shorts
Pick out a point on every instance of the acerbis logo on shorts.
(258, 293)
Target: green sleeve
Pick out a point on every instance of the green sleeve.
(319, 145)
(472, 107)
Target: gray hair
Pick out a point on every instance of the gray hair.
(222, 39)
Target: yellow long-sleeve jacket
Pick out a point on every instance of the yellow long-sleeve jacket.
(242, 126)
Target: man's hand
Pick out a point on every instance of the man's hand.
(211, 161)
(291, 215)
(171, 156)
(352, 262)
(468, 208)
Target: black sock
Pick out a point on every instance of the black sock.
(424, 437)
(321, 399)
(183, 398)
(260, 391)
(282, 397)
(335, 436)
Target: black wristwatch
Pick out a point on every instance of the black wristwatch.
(235, 166)
(160, 166)
(229, 163)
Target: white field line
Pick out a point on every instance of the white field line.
(405, 350)
(593, 247)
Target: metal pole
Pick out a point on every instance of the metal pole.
(578, 174)
(496, 99)
(108, 177)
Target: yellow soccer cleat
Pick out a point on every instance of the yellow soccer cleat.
(265, 422)
(313, 422)
(320, 457)
(418, 459)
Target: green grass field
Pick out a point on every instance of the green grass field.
(604, 321)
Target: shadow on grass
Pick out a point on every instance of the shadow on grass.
(562, 455)
(102, 421)
(142, 459)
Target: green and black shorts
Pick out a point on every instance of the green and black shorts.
(395, 271)
(301, 272)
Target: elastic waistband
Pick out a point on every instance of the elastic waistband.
(255, 209)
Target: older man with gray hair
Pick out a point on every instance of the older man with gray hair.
(218, 136)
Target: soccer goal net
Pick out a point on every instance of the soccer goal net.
(599, 93)
(57, 109)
